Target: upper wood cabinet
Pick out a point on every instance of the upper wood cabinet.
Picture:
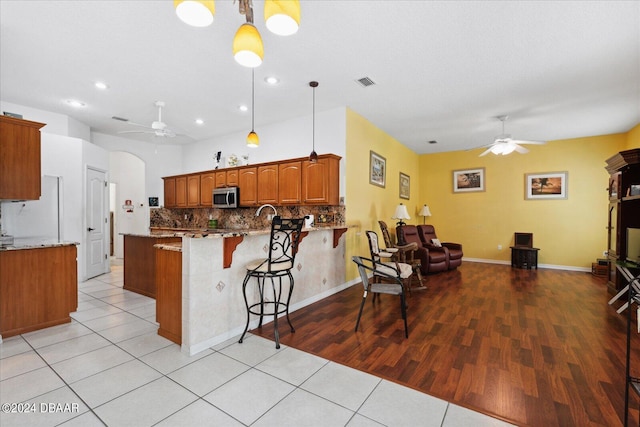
(248, 186)
(287, 182)
(267, 184)
(290, 183)
(170, 192)
(321, 181)
(207, 184)
(193, 191)
(19, 159)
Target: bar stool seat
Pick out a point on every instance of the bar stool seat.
(274, 300)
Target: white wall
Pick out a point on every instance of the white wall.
(58, 124)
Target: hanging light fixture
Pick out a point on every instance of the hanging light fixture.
(247, 43)
(252, 138)
(313, 157)
(197, 13)
(282, 17)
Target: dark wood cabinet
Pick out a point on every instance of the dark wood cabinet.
(38, 288)
(168, 276)
(140, 263)
(290, 183)
(624, 210)
(19, 159)
(170, 192)
(267, 181)
(248, 186)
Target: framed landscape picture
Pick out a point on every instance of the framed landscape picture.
(549, 185)
(377, 169)
(405, 186)
(468, 180)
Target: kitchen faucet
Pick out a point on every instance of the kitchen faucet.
(269, 217)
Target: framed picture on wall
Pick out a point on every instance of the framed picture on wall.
(468, 180)
(405, 186)
(377, 169)
(549, 185)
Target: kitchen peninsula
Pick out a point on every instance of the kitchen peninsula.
(206, 290)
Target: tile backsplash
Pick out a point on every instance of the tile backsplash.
(241, 218)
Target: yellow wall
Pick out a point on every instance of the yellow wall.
(366, 203)
(568, 232)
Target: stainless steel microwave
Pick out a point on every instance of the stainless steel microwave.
(225, 198)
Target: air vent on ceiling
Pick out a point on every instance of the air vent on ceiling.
(366, 82)
(119, 118)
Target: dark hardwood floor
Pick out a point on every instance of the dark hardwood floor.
(535, 348)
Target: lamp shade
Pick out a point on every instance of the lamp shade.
(401, 212)
(282, 17)
(195, 13)
(252, 139)
(247, 46)
(424, 211)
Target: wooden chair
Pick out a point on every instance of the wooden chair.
(403, 253)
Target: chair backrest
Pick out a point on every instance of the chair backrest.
(385, 234)
(410, 233)
(363, 269)
(285, 237)
(426, 233)
(374, 247)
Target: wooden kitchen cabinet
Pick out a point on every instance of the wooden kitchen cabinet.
(290, 183)
(221, 179)
(181, 191)
(193, 191)
(232, 178)
(19, 159)
(248, 185)
(267, 184)
(321, 181)
(207, 184)
(169, 192)
(140, 262)
(38, 288)
(168, 276)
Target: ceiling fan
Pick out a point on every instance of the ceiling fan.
(504, 144)
(157, 128)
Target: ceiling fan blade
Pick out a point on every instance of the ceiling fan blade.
(485, 152)
(520, 149)
(518, 141)
(136, 131)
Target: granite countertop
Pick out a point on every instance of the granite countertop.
(160, 232)
(35, 243)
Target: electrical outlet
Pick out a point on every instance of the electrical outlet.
(499, 247)
(605, 253)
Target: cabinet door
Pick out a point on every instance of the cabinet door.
(232, 177)
(207, 183)
(321, 181)
(169, 192)
(268, 184)
(221, 179)
(19, 159)
(290, 183)
(247, 181)
(193, 191)
(181, 191)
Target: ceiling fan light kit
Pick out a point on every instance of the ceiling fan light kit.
(282, 17)
(195, 13)
(504, 144)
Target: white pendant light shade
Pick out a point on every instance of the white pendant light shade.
(282, 17)
(247, 46)
(195, 13)
(253, 140)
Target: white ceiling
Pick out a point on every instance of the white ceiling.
(443, 70)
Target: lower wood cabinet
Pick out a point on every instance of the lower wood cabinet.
(169, 294)
(38, 288)
(140, 263)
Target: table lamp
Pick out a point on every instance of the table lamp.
(400, 214)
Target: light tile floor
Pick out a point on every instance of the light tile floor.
(109, 367)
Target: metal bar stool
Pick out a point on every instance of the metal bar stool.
(283, 245)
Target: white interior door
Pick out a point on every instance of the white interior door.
(97, 223)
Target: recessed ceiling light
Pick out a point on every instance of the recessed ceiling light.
(243, 108)
(101, 85)
(75, 103)
(199, 121)
(272, 80)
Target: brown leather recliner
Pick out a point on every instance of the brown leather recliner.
(433, 259)
(427, 233)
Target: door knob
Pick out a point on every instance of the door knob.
(90, 229)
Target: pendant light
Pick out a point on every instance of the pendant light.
(197, 13)
(252, 139)
(248, 49)
(313, 157)
(282, 17)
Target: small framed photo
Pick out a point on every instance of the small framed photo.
(153, 202)
(377, 169)
(405, 186)
(544, 186)
(468, 180)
